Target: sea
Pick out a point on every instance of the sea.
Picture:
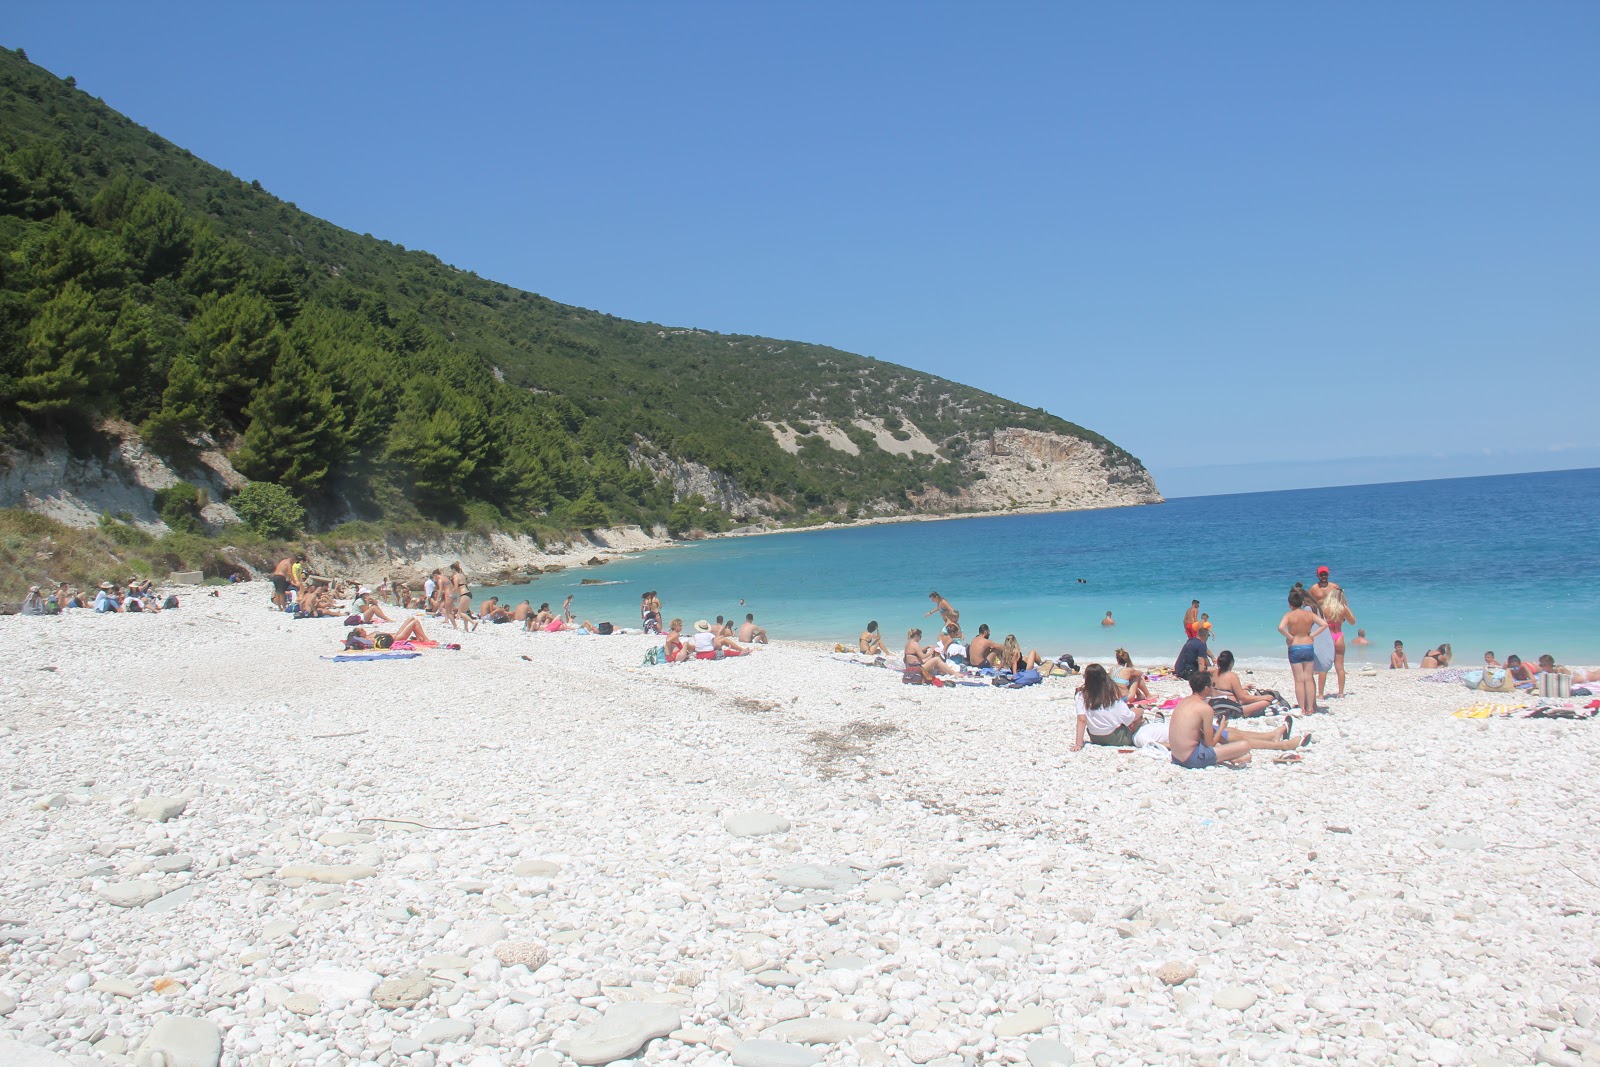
(1508, 564)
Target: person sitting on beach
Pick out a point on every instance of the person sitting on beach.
(950, 615)
(919, 661)
(33, 603)
(1548, 665)
(1229, 695)
(106, 600)
(1125, 676)
(677, 651)
(1489, 661)
(1108, 620)
(983, 651)
(1103, 714)
(1299, 628)
(1519, 671)
(410, 630)
(1012, 661)
(1193, 656)
(952, 648)
(749, 632)
(1196, 742)
(1437, 657)
(709, 645)
(871, 641)
(1397, 658)
(370, 609)
(520, 613)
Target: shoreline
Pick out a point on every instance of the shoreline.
(932, 872)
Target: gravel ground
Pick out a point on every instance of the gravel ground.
(534, 851)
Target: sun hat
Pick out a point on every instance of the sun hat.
(33, 589)
(702, 625)
(106, 585)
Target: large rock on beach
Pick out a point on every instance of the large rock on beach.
(130, 894)
(181, 1042)
(335, 986)
(754, 824)
(405, 992)
(332, 874)
(160, 809)
(813, 876)
(624, 1030)
(14, 1053)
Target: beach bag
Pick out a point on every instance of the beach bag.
(1552, 684)
(1497, 681)
(171, 602)
(1472, 679)
(604, 629)
(352, 620)
(1226, 707)
(654, 656)
(1026, 678)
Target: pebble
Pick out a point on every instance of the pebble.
(818, 1030)
(1176, 973)
(182, 1041)
(812, 876)
(335, 986)
(160, 809)
(755, 824)
(1234, 998)
(1045, 1053)
(536, 869)
(302, 1004)
(333, 874)
(622, 1031)
(1029, 1020)
(130, 894)
(772, 979)
(14, 1053)
(444, 1031)
(404, 992)
(524, 953)
(117, 987)
(760, 1053)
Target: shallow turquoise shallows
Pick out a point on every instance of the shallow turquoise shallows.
(1508, 563)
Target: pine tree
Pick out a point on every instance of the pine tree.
(295, 435)
(68, 363)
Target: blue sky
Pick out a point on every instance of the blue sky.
(1256, 244)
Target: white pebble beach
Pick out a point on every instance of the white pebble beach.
(221, 847)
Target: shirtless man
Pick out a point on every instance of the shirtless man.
(1397, 658)
(1322, 586)
(749, 632)
(1108, 620)
(1191, 620)
(1196, 742)
(871, 641)
(521, 612)
(982, 648)
(283, 581)
(950, 615)
(1299, 628)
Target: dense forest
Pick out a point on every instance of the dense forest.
(138, 282)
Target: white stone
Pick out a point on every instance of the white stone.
(818, 1030)
(333, 874)
(160, 809)
(536, 869)
(482, 933)
(444, 1031)
(814, 876)
(335, 986)
(1045, 1053)
(754, 824)
(130, 894)
(1234, 998)
(14, 1053)
(182, 1041)
(404, 992)
(773, 1054)
(622, 1031)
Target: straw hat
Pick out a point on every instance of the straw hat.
(702, 625)
(106, 585)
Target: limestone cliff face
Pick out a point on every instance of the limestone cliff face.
(689, 478)
(118, 478)
(1034, 470)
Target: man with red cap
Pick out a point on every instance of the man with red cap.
(1322, 586)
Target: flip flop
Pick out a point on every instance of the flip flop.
(1288, 727)
(1288, 757)
(1305, 740)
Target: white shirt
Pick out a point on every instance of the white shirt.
(1102, 721)
(704, 642)
(429, 587)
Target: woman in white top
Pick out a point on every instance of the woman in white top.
(1104, 715)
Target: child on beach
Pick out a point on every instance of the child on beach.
(1397, 658)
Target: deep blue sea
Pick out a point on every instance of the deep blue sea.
(1509, 563)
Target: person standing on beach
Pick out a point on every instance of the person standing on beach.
(1322, 587)
(950, 615)
(1299, 628)
(1191, 620)
(1335, 612)
(282, 580)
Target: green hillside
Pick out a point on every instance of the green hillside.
(139, 282)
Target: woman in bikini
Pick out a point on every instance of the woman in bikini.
(1012, 659)
(1128, 678)
(1548, 665)
(916, 660)
(1228, 686)
(675, 649)
(1336, 612)
(1437, 657)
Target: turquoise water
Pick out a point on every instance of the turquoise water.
(1508, 563)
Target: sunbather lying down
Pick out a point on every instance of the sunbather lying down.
(410, 630)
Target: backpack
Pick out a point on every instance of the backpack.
(171, 602)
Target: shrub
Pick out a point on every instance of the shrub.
(179, 507)
(268, 509)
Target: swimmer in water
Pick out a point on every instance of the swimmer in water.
(1108, 620)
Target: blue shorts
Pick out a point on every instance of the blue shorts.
(1302, 654)
(1202, 757)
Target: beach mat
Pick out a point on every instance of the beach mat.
(365, 656)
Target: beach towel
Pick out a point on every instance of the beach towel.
(1553, 685)
(363, 656)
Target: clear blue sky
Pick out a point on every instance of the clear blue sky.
(1225, 235)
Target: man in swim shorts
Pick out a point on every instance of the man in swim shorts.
(981, 648)
(1191, 620)
(1196, 742)
(283, 581)
(749, 632)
